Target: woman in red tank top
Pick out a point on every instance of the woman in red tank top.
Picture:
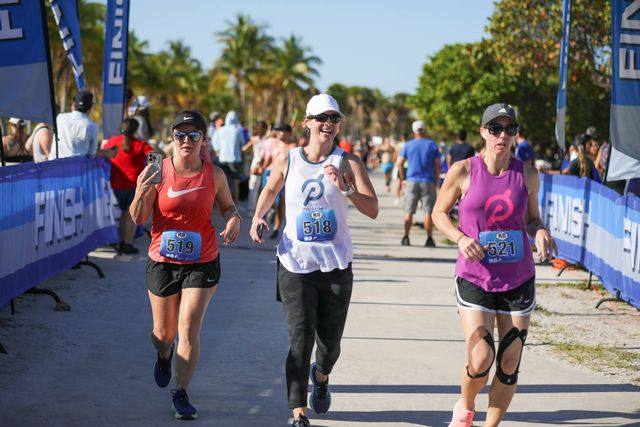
(183, 267)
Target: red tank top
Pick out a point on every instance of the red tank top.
(184, 204)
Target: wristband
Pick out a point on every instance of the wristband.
(460, 238)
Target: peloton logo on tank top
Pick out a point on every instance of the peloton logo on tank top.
(315, 187)
(498, 207)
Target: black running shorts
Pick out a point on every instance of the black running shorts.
(516, 302)
(165, 278)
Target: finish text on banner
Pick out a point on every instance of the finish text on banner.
(24, 72)
(65, 13)
(596, 227)
(625, 90)
(561, 102)
(53, 214)
(115, 66)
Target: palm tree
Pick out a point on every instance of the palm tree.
(293, 73)
(92, 19)
(246, 47)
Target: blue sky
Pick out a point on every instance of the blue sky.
(378, 44)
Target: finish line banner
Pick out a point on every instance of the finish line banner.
(24, 70)
(65, 13)
(561, 101)
(115, 66)
(53, 214)
(596, 227)
(624, 125)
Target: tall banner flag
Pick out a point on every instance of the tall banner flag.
(65, 13)
(25, 88)
(561, 102)
(624, 125)
(115, 65)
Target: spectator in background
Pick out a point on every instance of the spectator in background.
(126, 166)
(15, 144)
(387, 154)
(582, 165)
(77, 133)
(346, 145)
(422, 175)
(444, 166)
(217, 121)
(524, 150)
(460, 150)
(144, 119)
(227, 143)
(131, 103)
(254, 146)
(39, 143)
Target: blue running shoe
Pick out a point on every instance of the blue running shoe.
(320, 396)
(301, 421)
(183, 410)
(162, 369)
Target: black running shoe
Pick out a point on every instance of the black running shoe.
(183, 410)
(162, 369)
(320, 400)
(405, 241)
(430, 243)
(301, 421)
(127, 249)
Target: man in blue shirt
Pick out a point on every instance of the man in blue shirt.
(423, 170)
(524, 150)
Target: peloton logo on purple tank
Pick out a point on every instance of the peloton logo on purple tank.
(498, 207)
(315, 187)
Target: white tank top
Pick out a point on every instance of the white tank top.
(315, 235)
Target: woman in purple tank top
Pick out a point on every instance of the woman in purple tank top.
(495, 273)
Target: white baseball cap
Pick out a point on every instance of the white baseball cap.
(318, 104)
(417, 125)
(16, 121)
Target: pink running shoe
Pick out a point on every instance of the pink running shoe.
(461, 417)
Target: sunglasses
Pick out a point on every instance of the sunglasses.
(496, 129)
(194, 136)
(335, 118)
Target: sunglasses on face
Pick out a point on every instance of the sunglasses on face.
(335, 118)
(194, 136)
(496, 129)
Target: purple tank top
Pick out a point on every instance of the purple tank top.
(496, 204)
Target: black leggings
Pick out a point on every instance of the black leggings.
(315, 305)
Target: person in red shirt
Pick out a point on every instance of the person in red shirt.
(183, 268)
(125, 168)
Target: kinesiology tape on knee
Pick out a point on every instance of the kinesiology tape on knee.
(481, 334)
(509, 338)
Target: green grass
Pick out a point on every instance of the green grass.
(599, 356)
(580, 285)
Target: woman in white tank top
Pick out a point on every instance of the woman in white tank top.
(315, 250)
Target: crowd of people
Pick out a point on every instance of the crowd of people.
(297, 188)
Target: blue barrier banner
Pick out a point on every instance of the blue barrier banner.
(65, 13)
(24, 72)
(596, 227)
(624, 124)
(561, 101)
(115, 66)
(53, 214)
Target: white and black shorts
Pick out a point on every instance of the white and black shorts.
(516, 302)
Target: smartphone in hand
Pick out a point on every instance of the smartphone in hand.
(155, 160)
(260, 230)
